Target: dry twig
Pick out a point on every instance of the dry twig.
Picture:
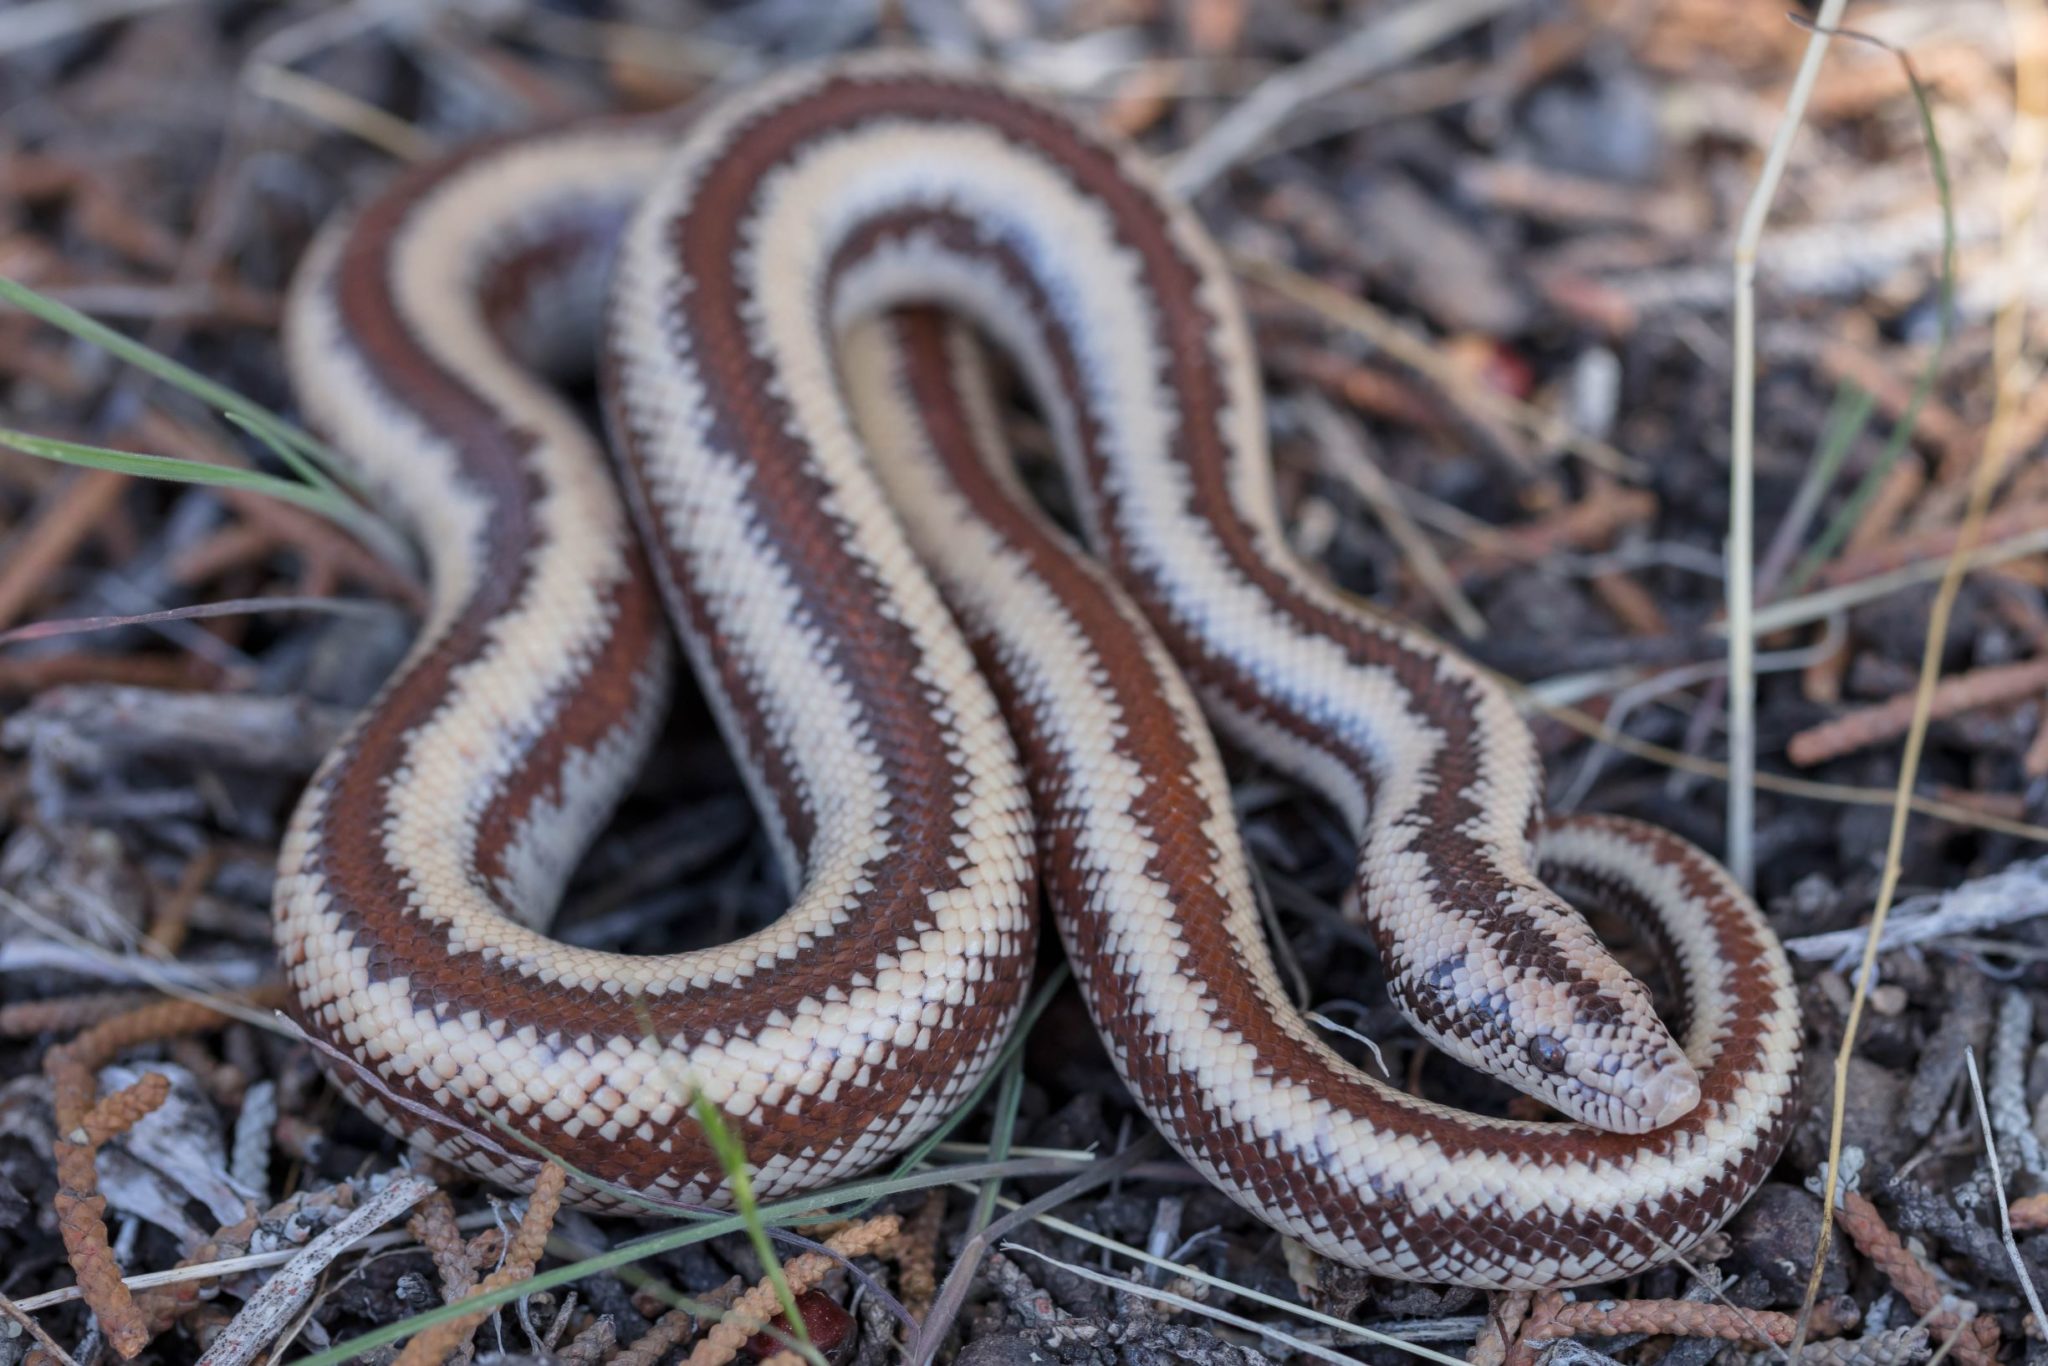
(50, 1350)
(1677, 1318)
(916, 1253)
(268, 1314)
(1918, 1286)
(1380, 45)
(1959, 693)
(755, 1309)
(81, 1209)
(1591, 523)
(173, 916)
(53, 534)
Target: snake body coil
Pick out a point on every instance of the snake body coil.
(937, 702)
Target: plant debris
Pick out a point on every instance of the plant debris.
(1485, 248)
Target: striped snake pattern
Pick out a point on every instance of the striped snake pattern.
(943, 710)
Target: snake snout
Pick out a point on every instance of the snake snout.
(1589, 1047)
(1671, 1095)
(1628, 1075)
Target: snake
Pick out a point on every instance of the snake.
(944, 709)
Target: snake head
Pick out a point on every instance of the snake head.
(1536, 1000)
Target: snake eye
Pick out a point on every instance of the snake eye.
(1547, 1053)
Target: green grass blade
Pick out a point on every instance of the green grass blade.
(175, 469)
(294, 459)
(328, 502)
(1848, 417)
(801, 1209)
(251, 416)
(1000, 1134)
(1851, 512)
(732, 1159)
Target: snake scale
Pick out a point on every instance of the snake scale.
(944, 711)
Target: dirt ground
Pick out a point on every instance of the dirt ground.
(1488, 258)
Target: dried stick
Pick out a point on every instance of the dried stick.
(1343, 448)
(1889, 719)
(434, 1226)
(81, 1209)
(1977, 1344)
(36, 1331)
(53, 534)
(433, 1345)
(1742, 631)
(173, 918)
(755, 1309)
(1678, 1318)
(1380, 45)
(269, 1312)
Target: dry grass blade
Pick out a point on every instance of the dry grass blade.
(1808, 607)
(953, 1293)
(1378, 45)
(1342, 446)
(337, 108)
(35, 1330)
(2012, 1246)
(1181, 1270)
(1357, 316)
(1293, 1344)
(1595, 729)
(1879, 476)
(1742, 465)
(200, 611)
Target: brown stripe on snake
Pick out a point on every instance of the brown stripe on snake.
(346, 857)
(857, 622)
(1449, 808)
(630, 642)
(793, 209)
(1499, 900)
(1776, 1018)
(886, 1094)
(1383, 1220)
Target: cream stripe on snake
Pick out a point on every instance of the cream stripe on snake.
(1053, 668)
(780, 497)
(476, 739)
